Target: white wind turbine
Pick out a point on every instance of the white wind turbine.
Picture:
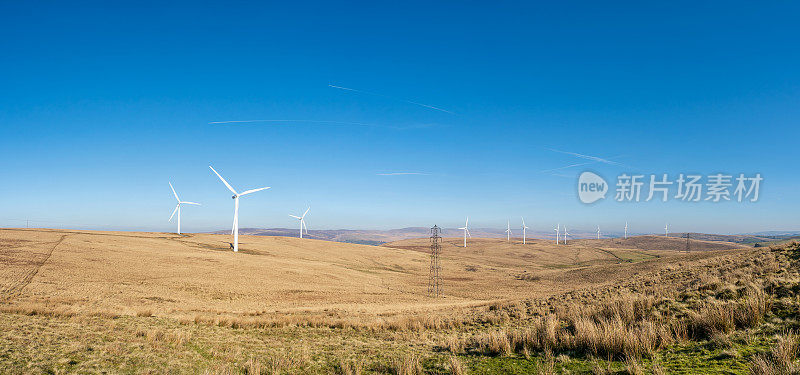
(666, 230)
(598, 232)
(466, 231)
(302, 222)
(235, 229)
(565, 235)
(508, 230)
(626, 230)
(524, 227)
(557, 229)
(178, 207)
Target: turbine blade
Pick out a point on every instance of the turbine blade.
(174, 211)
(223, 180)
(468, 235)
(253, 191)
(304, 213)
(296, 217)
(173, 191)
(196, 204)
(304, 225)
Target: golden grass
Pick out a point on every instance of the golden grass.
(456, 367)
(288, 306)
(350, 366)
(630, 326)
(781, 360)
(407, 365)
(291, 282)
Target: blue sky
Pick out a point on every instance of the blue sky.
(103, 104)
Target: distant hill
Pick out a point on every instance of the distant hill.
(776, 233)
(763, 239)
(366, 237)
(378, 237)
(735, 238)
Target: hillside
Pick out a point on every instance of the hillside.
(735, 238)
(379, 237)
(90, 302)
(366, 237)
(177, 275)
(171, 274)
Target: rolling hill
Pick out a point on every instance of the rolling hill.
(124, 302)
(197, 273)
(378, 237)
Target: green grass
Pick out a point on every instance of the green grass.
(63, 344)
(690, 358)
(132, 345)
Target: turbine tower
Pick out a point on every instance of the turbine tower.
(626, 230)
(178, 207)
(508, 230)
(598, 232)
(235, 197)
(466, 231)
(524, 227)
(557, 229)
(565, 235)
(666, 230)
(302, 222)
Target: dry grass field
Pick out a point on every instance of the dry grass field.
(178, 275)
(125, 302)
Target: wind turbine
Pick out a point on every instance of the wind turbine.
(598, 232)
(557, 229)
(626, 230)
(302, 222)
(508, 230)
(523, 229)
(466, 231)
(235, 229)
(178, 207)
(666, 230)
(565, 235)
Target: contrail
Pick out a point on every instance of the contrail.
(565, 167)
(401, 174)
(393, 98)
(313, 121)
(316, 122)
(589, 157)
(326, 122)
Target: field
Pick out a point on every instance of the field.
(124, 302)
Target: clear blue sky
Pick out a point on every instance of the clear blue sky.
(101, 105)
